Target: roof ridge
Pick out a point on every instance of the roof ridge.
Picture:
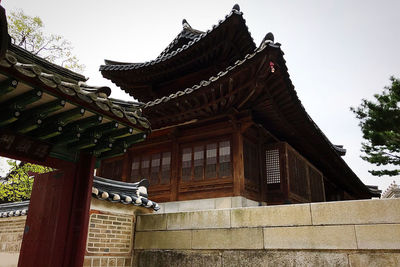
(171, 54)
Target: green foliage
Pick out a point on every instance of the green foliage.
(380, 125)
(27, 32)
(18, 184)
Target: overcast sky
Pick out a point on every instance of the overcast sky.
(337, 52)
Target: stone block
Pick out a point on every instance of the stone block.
(171, 207)
(151, 222)
(310, 237)
(162, 208)
(198, 204)
(242, 238)
(163, 240)
(287, 215)
(223, 203)
(9, 259)
(381, 236)
(237, 202)
(165, 258)
(272, 258)
(374, 259)
(356, 212)
(198, 220)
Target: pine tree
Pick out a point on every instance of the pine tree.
(380, 125)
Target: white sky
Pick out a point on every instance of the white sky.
(337, 52)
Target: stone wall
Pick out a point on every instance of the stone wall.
(347, 233)
(11, 230)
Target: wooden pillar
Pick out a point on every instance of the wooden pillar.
(238, 167)
(175, 169)
(57, 223)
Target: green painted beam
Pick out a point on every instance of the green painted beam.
(65, 138)
(121, 146)
(100, 148)
(119, 133)
(47, 132)
(25, 126)
(9, 116)
(8, 86)
(19, 102)
(84, 143)
(102, 129)
(81, 125)
(33, 118)
(68, 116)
(47, 108)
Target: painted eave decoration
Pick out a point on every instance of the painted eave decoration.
(46, 110)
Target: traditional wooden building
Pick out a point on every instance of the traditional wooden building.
(226, 121)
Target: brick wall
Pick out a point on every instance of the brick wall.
(109, 233)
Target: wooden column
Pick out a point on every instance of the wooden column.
(57, 223)
(175, 170)
(238, 167)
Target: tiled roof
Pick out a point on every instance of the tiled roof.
(183, 38)
(72, 85)
(168, 53)
(211, 79)
(121, 192)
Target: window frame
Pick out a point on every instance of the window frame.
(149, 153)
(204, 144)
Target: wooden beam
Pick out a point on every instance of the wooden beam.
(84, 143)
(9, 116)
(44, 133)
(81, 125)
(21, 101)
(120, 133)
(33, 118)
(8, 86)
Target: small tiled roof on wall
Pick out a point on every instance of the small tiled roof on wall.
(14, 209)
(121, 192)
(104, 189)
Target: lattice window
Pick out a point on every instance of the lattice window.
(206, 161)
(186, 164)
(272, 166)
(198, 158)
(144, 171)
(298, 175)
(251, 162)
(211, 161)
(156, 167)
(225, 165)
(316, 185)
(112, 169)
(166, 168)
